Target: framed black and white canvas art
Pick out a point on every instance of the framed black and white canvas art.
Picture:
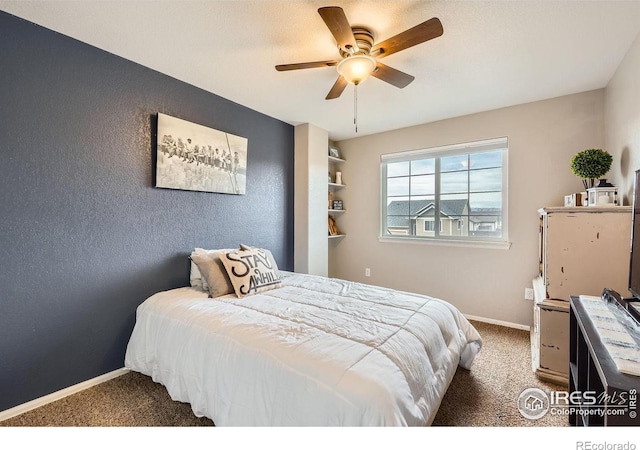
(197, 158)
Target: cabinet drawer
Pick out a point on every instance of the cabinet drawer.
(554, 340)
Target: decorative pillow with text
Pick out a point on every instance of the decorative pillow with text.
(267, 252)
(251, 271)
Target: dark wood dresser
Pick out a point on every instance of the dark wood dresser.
(594, 374)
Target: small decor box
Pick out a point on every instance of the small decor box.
(577, 199)
(337, 204)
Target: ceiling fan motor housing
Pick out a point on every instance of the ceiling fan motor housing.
(364, 39)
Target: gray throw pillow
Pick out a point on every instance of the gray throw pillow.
(214, 273)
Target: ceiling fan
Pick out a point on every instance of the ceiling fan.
(360, 57)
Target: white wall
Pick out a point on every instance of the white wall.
(310, 253)
(622, 121)
(543, 136)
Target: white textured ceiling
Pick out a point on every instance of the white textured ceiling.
(492, 53)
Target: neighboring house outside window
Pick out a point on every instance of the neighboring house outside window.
(463, 185)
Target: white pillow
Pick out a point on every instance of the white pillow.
(195, 277)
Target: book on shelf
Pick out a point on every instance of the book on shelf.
(333, 229)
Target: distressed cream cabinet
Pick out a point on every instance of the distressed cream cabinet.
(582, 251)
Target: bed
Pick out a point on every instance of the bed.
(314, 351)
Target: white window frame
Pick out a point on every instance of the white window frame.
(481, 146)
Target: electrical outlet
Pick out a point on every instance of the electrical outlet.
(367, 272)
(528, 293)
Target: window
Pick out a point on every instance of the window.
(463, 187)
(430, 224)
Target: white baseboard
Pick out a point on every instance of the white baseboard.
(33, 404)
(517, 326)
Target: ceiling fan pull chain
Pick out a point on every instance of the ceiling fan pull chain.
(355, 106)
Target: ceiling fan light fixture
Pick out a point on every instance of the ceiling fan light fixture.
(355, 69)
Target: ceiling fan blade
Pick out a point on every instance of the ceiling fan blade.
(423, 32)
(337, 22)
(392, 76)
(337, 88)
(307, 65)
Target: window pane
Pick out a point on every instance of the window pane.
(456, 162)
(398, 169)
(423, 166)
(454, 204)
(485, 225)
(491, 200)
(454, 182)
(423, 185)
(422, 206)
(484, 160)
(453, 214)
(485, 180)
(485, 219)
(398, 186)
(415, 198)
(398, 225)
(398, 208)
(425, 220)
(460, 226)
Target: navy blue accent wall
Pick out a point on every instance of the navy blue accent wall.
(85, 237)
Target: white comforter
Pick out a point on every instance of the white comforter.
(317, 351)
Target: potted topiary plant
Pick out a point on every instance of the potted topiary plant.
(590, 165)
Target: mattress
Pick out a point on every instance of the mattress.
(315, 352)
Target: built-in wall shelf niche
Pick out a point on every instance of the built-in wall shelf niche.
(335, 185)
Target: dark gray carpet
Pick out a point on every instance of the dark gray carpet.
(484, 396)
